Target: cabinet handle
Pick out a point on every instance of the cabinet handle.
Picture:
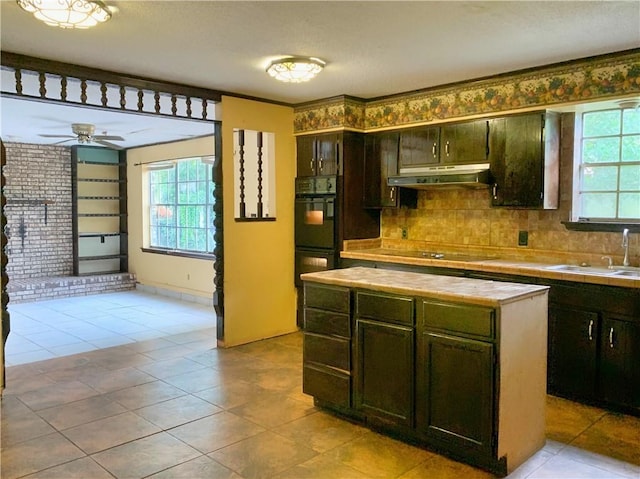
(446, 148)
(311, 164)
(391, 192)
(591, 330)
(320, 165)
(433, 150)
(494, 191)
(611, 338)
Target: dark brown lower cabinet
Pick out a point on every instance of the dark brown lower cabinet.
(326, 349)
(429, 370)
(619, 375)
(384, 372)
(456, 404)
(594, 356)
(573, 344)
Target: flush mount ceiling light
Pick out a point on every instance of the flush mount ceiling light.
(67, 13)
(295, 69)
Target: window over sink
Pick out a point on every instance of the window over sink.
(607, 166)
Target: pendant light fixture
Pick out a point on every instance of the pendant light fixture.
(67, 13)
(295, 69)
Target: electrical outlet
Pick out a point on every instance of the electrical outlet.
(523, 238)
(405, 235)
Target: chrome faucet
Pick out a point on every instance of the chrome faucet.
(625, 245)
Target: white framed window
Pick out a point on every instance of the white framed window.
(181, 205)
(608, 166)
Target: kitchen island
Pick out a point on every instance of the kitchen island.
(456, 364)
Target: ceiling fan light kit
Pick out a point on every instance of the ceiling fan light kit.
(67, 13)
(295, 69)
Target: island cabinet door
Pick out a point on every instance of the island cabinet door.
(384, 374)
(455, 393)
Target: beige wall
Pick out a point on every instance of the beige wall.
(184, 275)
(260, 299)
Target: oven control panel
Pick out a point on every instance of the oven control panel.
(310, 185)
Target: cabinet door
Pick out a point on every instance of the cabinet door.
(385, 372)
(389, 144)
(464, 142)
(305, 156)
(327, 154)
(456, 405)
(573, 339)
(619, 360)
(419, 147)
(373, 174)
(517, 160)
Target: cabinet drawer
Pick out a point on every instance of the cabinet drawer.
(332, 298)
(334, 352)
(472, 320)
(395, 309)
(327, 322)
(327, 385)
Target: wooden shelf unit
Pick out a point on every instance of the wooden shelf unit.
(99, 186)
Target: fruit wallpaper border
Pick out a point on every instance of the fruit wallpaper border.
(607, 76)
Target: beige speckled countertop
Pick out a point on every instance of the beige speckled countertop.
(447, 288)
(494, 265)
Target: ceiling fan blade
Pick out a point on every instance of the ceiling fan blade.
(108, 144)
(64, 141)
(108, 137)
(57, 136)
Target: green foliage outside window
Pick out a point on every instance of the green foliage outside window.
(610, 165)
(181, 207)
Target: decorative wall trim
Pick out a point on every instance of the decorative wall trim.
(596, 78)
(37, 79)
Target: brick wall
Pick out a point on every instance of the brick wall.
(38, 172)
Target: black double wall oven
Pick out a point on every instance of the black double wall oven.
(315, 225)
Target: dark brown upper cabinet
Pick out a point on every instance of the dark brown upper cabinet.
(464, 142)
(419, 146)
(318, 155)
(381, 162)
(456, 143)
(524, 156)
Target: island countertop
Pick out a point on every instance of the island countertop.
(448, 288)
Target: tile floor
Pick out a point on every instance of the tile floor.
(53, 328)
(174, 406)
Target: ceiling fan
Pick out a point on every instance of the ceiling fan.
(84, 133)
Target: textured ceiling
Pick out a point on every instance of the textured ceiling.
(373, 48)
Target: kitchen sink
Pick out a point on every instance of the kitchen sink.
(571, 268)
(632, 274)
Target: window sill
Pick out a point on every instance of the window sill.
(184, 254)
(255, 220)
(601, 226)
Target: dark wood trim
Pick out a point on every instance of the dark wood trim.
(608, 227)
(184, 254)
(218, 236)
(24, 62)
(6, 323)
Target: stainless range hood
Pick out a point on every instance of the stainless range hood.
(470, 176)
